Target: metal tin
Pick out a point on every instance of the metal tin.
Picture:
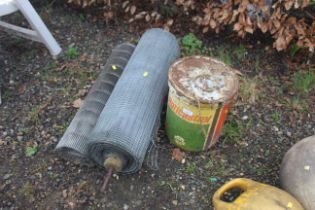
(202, 90)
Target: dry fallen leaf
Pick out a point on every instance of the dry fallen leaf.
(133, 9)
(21, 89)
(77, 103)
(82, 92)
(178, 154)
(124, 4)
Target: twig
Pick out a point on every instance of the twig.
(106, 179)
(310, 15)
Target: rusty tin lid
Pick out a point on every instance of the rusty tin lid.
(203, 79)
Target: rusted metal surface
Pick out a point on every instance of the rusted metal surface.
(203, 79)
(201, 92)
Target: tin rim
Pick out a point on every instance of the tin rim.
(210, 67)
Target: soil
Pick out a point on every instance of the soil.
(37, 97)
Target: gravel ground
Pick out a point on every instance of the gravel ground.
(269, 117)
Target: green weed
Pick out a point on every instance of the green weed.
(298, 103)
(190, 168)
(33, 115)
(294, 49)
(27, 190)
(219, 170)
(240, 52)
(209, 164)
(65, 91)
(257, 64)
(25, 130)
(267, 153)
(47, 71)
(82, 16)
(93, 207)
(304, 82)
(224, 55)
(276, 116)
(7, 94)
(30, 53)
(232, 129)
(249, 92)
(60, 128)
(260, 171)
(72, 52)
(31, 151)
(191, 45)
(168, 11)
(19, 40)
(84, 76)
(50, 66)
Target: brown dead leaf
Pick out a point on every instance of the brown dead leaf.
(288, 4)
(166, 28)
(237, 27)
(124, 4)
(81, 93)
(213, 24)
(140, 15)
(178, 154)
(133, 9)
(205, 29)
(305, 3)
(249, 29)
(170, 22)
(21, 89)
(77, 103)
(147, 18)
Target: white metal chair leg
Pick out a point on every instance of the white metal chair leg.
(38, 25)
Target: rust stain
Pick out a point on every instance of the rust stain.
(203, 79)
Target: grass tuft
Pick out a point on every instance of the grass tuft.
(304, 82)
(249, 91)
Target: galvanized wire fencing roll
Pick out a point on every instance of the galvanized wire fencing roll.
(73, 144)
(130, 119)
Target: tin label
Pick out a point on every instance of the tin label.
(191, 126)
(199, 115)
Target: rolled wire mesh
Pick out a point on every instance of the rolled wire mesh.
(130, 120)
(73, 144)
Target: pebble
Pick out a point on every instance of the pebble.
(116, 176)
(7, 138)
(7, 176)
(245, 117)
(138, 202)
(275, 128)
(175, 202)
(5, 134)
(54, 139)
(19, 138)
(289, 134)
(125, 207)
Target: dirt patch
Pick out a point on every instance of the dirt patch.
(37, 107)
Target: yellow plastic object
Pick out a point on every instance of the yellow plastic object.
(255, 196)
